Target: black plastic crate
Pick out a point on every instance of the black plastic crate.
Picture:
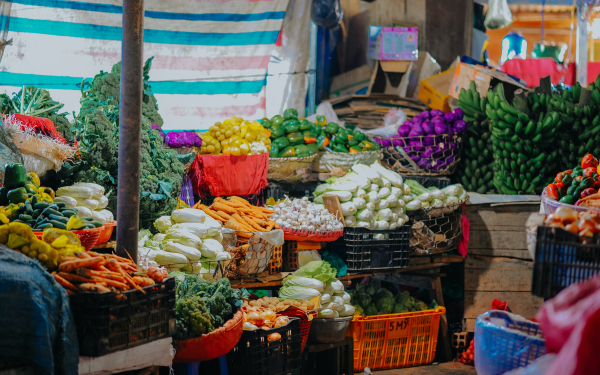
(445, 225)
(561, 259)
(256, 355)
(298, 190)
(108, 322)
(361, 249)
(428, 181)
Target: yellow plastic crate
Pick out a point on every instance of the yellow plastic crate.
(395, 340)
(434, 91)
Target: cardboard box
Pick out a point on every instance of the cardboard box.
(485, 79)
(353, 82)
(393, 43)
(387, 76)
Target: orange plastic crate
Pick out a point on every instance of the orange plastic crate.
(395, 340)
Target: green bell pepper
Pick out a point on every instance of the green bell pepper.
(341, 137)
(295, 138)
(291, 126)
(340, 148)
(332, 128)
(305, 125)
(355, 149)
(277, 131)
(266, 123)
(288, 152)
(15, 176)
(290, 113)
(18, 195)
(315, 128)
(359, 136)
(586, 182)
(301, 151)
(321, 120)
(277, 120)
(568, 199)
(309, 137)
(274, 153)
(367, 145)
(313, 148)
(281, 142)
(322, 142)
(353, 142)
(3, 196)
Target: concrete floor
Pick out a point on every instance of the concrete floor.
(448, 368)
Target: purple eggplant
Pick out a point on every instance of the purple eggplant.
(436, 113)
(428, 127)
(416, 146)
(459, 113)
(403, 130)
(449, 117)
(440, 128)
(460, 126)
(416, 131)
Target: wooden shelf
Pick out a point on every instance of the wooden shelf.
(258, 285)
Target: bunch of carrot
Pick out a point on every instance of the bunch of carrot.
(238, 214)
(94, 272)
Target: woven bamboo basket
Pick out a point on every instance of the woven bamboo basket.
(341, 162)
(290, 169)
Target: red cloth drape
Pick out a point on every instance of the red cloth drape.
(222, 175)
(532, 70)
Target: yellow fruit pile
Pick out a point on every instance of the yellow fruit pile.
(236, 136)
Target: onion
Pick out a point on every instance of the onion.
(436, 113)
(417, 119)
(566, 215)
(425, 115)
(459, 113)
(449, 117)
(255, 318)
(403, 130)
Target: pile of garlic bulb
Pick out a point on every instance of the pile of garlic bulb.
(303, 214)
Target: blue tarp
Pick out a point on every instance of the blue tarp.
(37, 328)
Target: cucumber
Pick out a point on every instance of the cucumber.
(60, 205)
(62, 219)
(89, 226)
(50, 211)
(28, 207)
(25, 217)
(58, 224)
(37, 213)
(97, 224)
(69, 213)
(41, 205)
(44, 226)
(87, 218)
(34, 200)
(31, 223)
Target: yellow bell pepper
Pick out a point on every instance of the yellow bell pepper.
(75, 222)
(33, 177)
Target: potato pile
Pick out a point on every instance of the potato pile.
(274, 304)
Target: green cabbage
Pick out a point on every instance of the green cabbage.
(385, 305)
(433, 305)
(298, 293)
(363, 299)
(371, 310)
(402, 298)
(382, 293)
(399, 308)
(317, 269)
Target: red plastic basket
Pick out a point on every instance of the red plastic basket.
(290, 234)
(88, 237)
(304, 322)
(106, 232)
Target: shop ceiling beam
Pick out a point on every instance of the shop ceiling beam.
(130, 128)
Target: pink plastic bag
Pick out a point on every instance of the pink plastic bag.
(463, 246)
(571, 326)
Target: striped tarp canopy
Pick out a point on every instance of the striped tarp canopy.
(210, 56)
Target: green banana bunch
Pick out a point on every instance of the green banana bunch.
(475, 169)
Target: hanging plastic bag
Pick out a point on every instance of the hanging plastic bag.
(326, 13)
(499, 15)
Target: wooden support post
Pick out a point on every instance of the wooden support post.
(443, 335)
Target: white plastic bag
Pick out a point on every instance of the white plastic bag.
(499, 15)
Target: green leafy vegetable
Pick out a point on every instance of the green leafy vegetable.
(317, 269)
(193, 318)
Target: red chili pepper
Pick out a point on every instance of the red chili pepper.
(589, 161)
(552, 192)
(589, 172)
(588, 191)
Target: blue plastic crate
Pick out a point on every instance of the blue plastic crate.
(504, 341)
(561, 259)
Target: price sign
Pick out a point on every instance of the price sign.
(398, 328)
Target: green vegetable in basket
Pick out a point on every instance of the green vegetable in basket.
(305, 125)
(291, 126)
(277, 131)
(332, 128)
(277, 120)
(295, 138)
(266, 123)
(358, 135)
(371, 310)
(281, 142)
(340, 148)
(288, 152)
(322, 142)
(301, 151)
(290, 113)
(274, 153)
(313, 148)
(341, 137)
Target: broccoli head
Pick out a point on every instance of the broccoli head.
(193, 318)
